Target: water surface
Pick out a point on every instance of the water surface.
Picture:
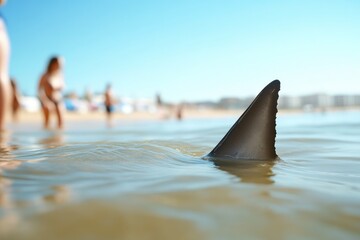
(147, 180)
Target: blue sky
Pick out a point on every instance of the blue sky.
(189, 49)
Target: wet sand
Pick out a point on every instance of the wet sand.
(137, 116)
(31, 117)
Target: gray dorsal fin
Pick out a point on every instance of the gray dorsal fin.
(253, 134)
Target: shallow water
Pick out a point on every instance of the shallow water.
(147, 180)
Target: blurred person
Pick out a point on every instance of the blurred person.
(15, 99)
(158, 101)
(88, 96)
(4, 75)
(109, 104)
(162, 108)
(179, 112)
(50, 89)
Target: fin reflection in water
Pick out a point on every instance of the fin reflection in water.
(249, 171)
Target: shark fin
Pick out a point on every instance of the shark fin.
(253, 134)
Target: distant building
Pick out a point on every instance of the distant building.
(202, 104)
(230, 103)
(317, 101)
(288, 102)
(344, 100)
(357, 100)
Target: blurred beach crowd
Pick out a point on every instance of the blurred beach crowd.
(93, 103)
(90, 102)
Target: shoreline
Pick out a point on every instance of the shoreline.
(30, 117)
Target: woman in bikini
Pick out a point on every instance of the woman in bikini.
(50, 89)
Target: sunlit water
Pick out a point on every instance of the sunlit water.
(147, 180)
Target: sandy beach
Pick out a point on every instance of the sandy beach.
(136, 116)
(33, 117)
